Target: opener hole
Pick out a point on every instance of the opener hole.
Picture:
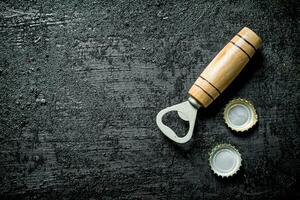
(178, 125)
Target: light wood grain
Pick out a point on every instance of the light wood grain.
(106, 74)
(251, 37)
(225, 67)
(250, 50)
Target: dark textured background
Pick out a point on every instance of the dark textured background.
(82, 81)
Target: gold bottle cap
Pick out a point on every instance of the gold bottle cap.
(225, 160)
(240, 115)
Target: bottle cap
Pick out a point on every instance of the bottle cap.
(240, 115)
(225, 160)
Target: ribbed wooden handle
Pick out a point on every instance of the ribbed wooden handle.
(223, 69)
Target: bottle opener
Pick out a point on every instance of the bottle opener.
(215, 78)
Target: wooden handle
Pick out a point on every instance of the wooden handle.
(223, 69)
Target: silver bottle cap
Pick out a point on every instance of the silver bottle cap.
(240, 115)
(225, 160)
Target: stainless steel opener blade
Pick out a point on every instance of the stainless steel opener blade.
(187, 111)
(215, 78)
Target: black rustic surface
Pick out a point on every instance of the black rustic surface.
(82, 81)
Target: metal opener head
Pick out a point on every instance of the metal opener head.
(187, 111)
(219, 73)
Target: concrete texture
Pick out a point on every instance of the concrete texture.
(82, 81)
